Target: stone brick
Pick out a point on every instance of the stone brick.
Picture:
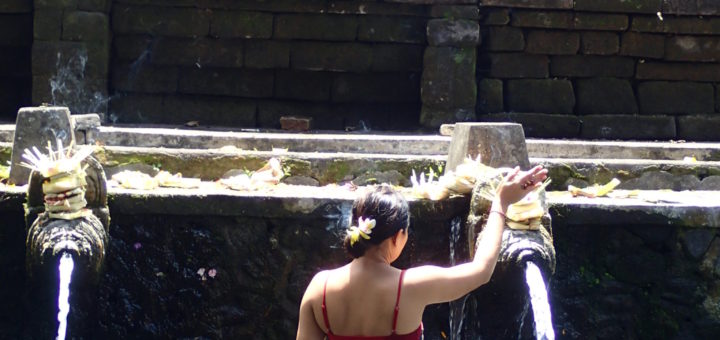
(504, 38)
(303, 85)
(559, 4)
(16, 6)
(434, 117)
(448, 80)
(642, 45)
(628, 127)
(518, 65)
(392, 29)
(592, 66)
(600, 43)
(316, 56)
(15, 63)
(490, 96)
(619, 6)
(267, 54)
(651, 24)
(444, 32)
(372, 8)
(692, 48)
(376, 88)
(38, 4)
(540, 95)
(708, 7)
(198, 52)
(292, 123)
(85, 96)
(604, 22)
(132, 47)
(16, 29)
(276, 6)
(605, 96)
(95, 5)
(552, 42)
(680, 7)
(41, 91)
(208, 111)
(145, 78)
(230, 82)
(47, 24)
(324, 116)
(495, 17)
(678, 25)
(225, 24)
(167, 21)
(316, 27)
(539, 125)
(455, 12)
(660, 97)
(521, 18)
(396, 57)
(699, 127)
(678, 71)
(85, 26)
(86, 58)
(135, 108)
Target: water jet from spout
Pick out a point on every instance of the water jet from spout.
(66, 269)
(539, 301)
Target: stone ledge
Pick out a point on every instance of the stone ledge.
(173, 137)
(279, 202)
(684, 209)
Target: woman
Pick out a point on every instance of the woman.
(370, 299)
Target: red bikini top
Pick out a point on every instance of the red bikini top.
(417, 334)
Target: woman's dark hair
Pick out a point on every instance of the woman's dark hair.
(387, 207)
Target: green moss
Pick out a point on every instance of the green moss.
(335, 172)
(561, 173)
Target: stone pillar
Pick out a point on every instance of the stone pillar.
(497, 144)
(448, 87)
(36, 126)
(71, 54)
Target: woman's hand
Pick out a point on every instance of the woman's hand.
(518, 183)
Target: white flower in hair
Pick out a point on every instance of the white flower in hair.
(364, 229)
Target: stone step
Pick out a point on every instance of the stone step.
(172, 137)
(326, 168)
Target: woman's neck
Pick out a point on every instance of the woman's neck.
(375, 255)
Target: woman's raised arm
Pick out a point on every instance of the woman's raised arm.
(432, 284)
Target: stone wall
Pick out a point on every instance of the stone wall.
(71, 53)
(636, 282)
(15, 41)
(345, 64)
(619, 69)
(641, 69)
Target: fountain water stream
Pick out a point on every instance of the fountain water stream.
(457, 307)
(66, 269)
(539, 301)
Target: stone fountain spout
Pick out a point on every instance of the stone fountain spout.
(78, 227)
(488, 151)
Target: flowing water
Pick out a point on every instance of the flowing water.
(539, 302)
(457, 307)
(66, 269)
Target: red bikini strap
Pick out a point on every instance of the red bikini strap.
(397, 302)
(324, 308)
